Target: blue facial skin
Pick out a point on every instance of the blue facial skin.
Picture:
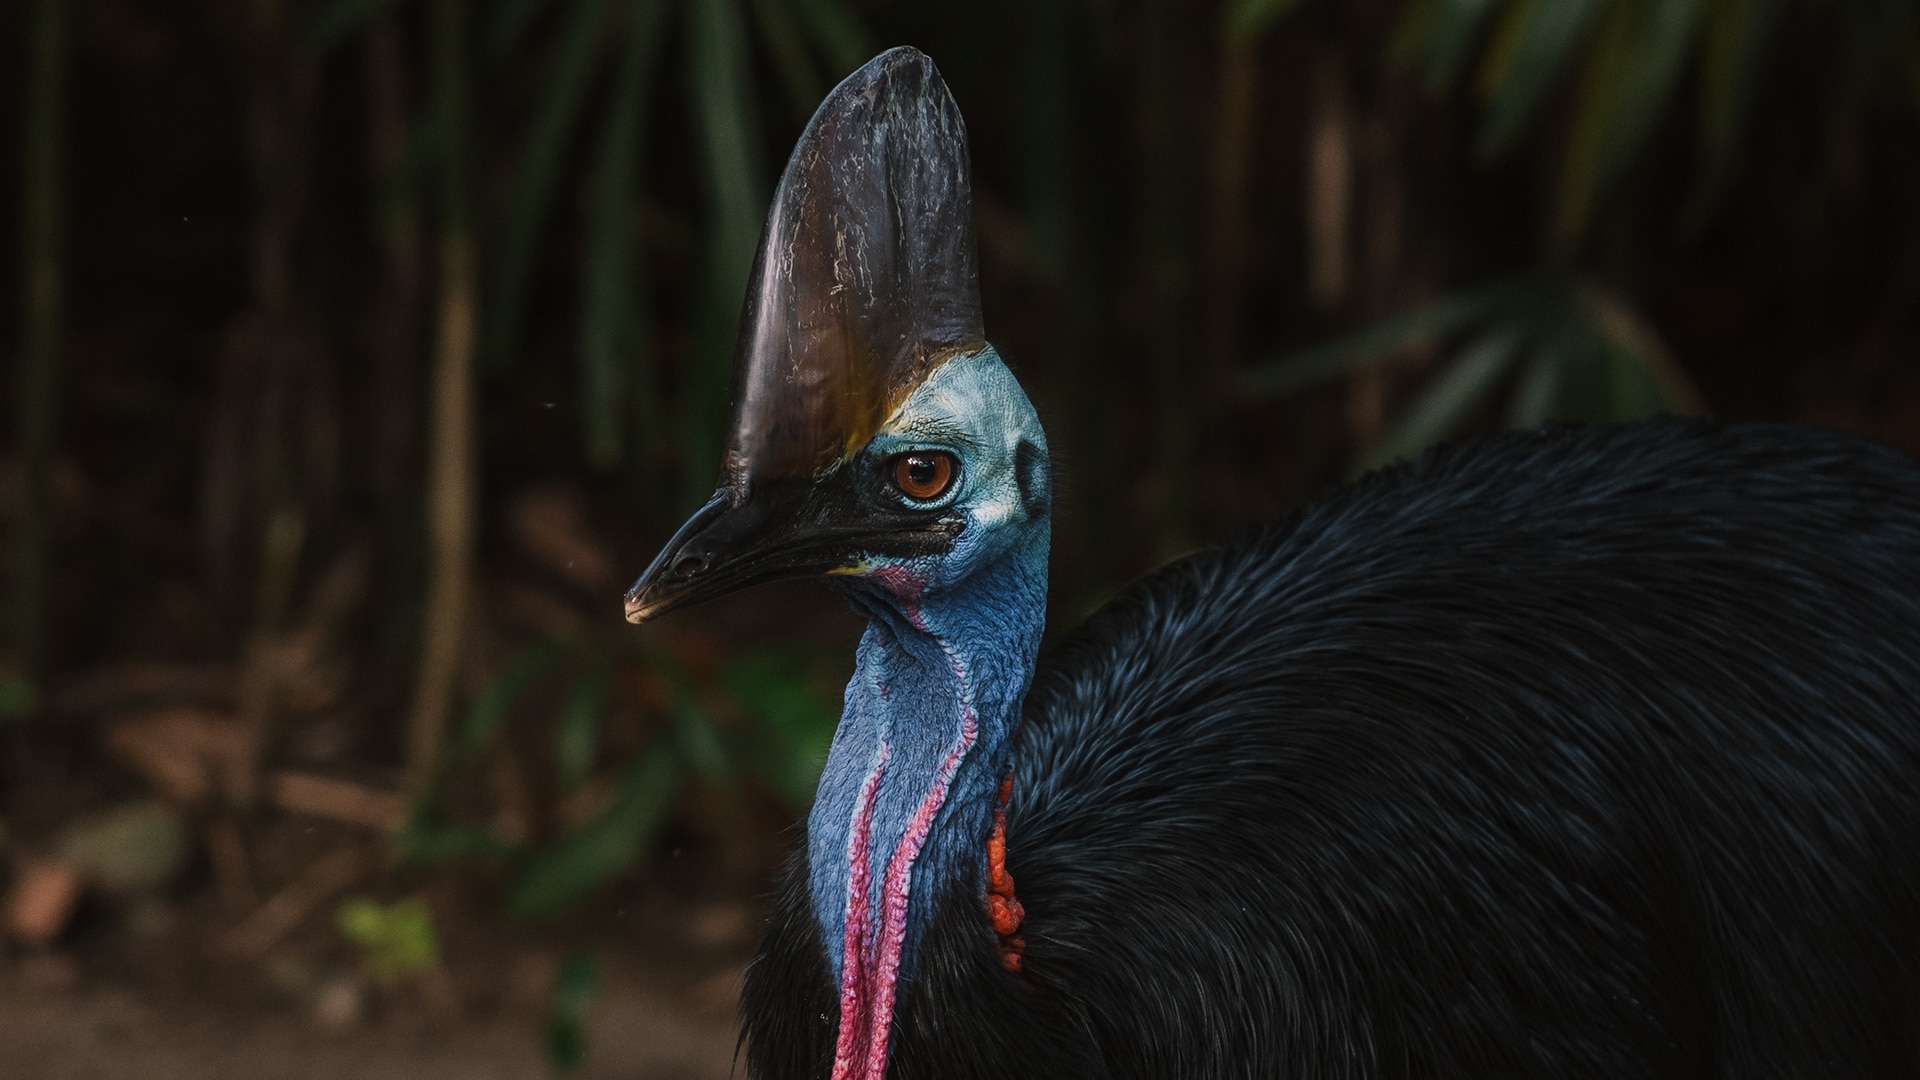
(966, 646)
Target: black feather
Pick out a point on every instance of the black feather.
(1590, 753)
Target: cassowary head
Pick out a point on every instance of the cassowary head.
(876, 437)
(874, 432)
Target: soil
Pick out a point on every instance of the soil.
(154, 995)
(110, 1032)
(152, 985)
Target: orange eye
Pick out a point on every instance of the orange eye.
(921, 477)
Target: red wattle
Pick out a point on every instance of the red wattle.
(854, 998)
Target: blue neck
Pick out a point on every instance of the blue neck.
(934, 701)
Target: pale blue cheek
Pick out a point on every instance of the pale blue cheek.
(948, 635)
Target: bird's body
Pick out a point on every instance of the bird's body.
(1585, 753)
(1593, 753)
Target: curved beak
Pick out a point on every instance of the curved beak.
(669, 580)
(734, 541)
(777, 531)
(770, 532)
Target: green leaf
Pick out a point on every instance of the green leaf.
(1382, 341)
(1536, 399)
(573, 990)
(839, 32)
(1586, 390)
(1566, 340)
(541, 158)
(1601, 105)
(1248, 18)
(560, 877)
(1529, 49)
(1462, 387)
(496, 702)
(335, 22)
(1631, 393)
(577, 738)
(793, 720)
(395, 941)
(1623, 332)
(1630, 79)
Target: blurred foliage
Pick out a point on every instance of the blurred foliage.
(1631, 56)
(573, 990)
(763, 716)
(1597, 79)
(1152, 179)
(617, 47)
(397, 941)
(1557, 349)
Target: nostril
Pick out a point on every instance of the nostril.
(690, 565)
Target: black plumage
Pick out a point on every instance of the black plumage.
(1585, 753)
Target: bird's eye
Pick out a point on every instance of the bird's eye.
(923, 476)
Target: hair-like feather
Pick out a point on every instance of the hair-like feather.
(1585, 753)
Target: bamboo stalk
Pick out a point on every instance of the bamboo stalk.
(1329, 208)
(450, 463)
(43, 316)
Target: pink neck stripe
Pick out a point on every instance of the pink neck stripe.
(870, 967)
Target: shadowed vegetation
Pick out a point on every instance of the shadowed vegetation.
(366, 348)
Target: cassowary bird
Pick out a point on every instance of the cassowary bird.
(1590, 752)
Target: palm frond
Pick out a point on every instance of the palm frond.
(1629, 80)
(1531, 45)
(1559, 348)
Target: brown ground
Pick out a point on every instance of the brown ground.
(153, 998)
(152, 987)
(111, 1033)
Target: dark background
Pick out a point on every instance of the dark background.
(326, 747)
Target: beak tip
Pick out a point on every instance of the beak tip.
(638, 610)
(637, 605)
